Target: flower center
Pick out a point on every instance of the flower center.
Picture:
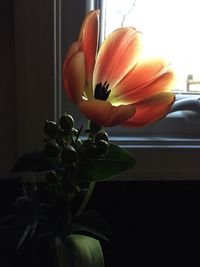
(101, 91)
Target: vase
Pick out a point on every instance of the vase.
(78, 251)
(73, 250)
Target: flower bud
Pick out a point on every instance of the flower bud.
(51, 128)
(66, 122)
(102, 147)
(74, 131)
(52, 149)
(89, 149)
(101, 136)
(69, 154)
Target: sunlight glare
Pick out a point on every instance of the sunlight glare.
(171, 30)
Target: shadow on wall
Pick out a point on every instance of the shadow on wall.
(8, 117)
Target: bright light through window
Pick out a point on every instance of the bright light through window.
(171, 29)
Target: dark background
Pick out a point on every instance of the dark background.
(8, 116)
(152, 224)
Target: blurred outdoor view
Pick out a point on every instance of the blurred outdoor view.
(171, 29)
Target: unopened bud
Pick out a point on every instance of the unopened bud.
(69, 154)
(51, 128)
(66, 122)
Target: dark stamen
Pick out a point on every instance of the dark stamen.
(101, 91)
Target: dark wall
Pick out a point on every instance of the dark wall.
(152, 223)
(26, 76)
(8, 133)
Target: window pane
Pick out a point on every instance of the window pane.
(171, 29)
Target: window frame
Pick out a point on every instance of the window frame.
(157, 158)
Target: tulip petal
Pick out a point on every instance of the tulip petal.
(151, 110)
(129, 94)
(145, 72)
(73, 49)
(74, 77)
(89, 39)
(117, 55)
(104, 114)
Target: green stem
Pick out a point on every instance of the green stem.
(86, 199)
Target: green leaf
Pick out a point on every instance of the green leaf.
(32, 162)
(92, 224)
(116, 161)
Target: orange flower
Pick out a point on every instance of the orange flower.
(115, 86)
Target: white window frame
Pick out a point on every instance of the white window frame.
(40, 48)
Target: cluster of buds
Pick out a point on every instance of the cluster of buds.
(69, 153)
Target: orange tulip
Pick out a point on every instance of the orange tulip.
(114, 85)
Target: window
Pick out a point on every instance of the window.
(170, 29)
(167, 150)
